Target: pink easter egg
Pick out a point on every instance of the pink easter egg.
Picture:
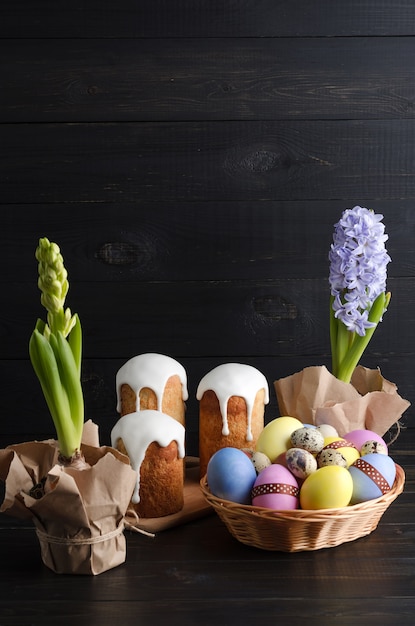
(360, 436)
(276, 488)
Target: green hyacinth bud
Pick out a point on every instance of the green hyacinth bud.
(53, 284)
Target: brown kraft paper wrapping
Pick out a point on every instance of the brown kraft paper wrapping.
(79, 517)
(315, 396)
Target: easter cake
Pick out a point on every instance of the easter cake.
(154, 443)
(152, 381)
(232, 400)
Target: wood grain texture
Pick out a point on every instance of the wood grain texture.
(150, 79)
(189, 241)
(207, 18)
(228, 161)
(285, 317)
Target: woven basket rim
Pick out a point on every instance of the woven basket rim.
(309, 515)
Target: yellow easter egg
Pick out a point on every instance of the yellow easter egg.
(275, 438)
(346, 448)
(329, 487)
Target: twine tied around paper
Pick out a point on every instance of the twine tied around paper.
(89, 540)
(79, 540)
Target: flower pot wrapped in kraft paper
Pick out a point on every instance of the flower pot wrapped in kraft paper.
(78, 513)
(315, 396)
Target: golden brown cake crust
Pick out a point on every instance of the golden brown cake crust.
(172, 401)
(211, 438)
(161, 481)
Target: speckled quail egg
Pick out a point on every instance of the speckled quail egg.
(359, 437)
(309, 439)
(346, 448)
(260, 461)
(300, 462)
(373, 447)
(327, 430)
(331, 457)
(249, 452)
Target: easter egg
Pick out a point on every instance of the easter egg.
(260, 461)
(300, 462)
(249, 452)
(276, 488)
(309, 439)
(231, 475)
(274, 438)
(331, 457)
(329, 487)
(372, 446)
(373, 475)
(327, 430)
(346, 448)
(360, 436)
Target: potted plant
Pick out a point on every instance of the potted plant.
(77, 494)
(350, 396)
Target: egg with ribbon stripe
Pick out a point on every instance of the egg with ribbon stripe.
(276, 488)
(373, 475)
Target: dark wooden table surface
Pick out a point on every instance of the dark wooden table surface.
(198, 574)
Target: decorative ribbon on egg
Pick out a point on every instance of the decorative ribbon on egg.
(262, 490)
(339, 443)
(373, 474)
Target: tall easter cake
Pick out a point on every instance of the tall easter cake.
(232, 400)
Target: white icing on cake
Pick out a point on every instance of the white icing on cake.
(149, 370)
(234, 379)
(138, 430)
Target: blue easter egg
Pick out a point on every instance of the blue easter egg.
(373, 475)
(231, 475)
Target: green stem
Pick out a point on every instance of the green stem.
(341, 340)
(333, 338)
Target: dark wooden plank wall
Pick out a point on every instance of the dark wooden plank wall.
(191, 159)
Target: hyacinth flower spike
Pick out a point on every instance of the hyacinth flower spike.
(55, 350)
(358, 300)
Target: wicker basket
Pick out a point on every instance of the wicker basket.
(301, 530)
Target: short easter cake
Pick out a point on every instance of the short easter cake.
(154, 443)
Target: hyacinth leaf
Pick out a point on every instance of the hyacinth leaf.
(360, 344)
(75, 342)
(70, 382)
(46, 368)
